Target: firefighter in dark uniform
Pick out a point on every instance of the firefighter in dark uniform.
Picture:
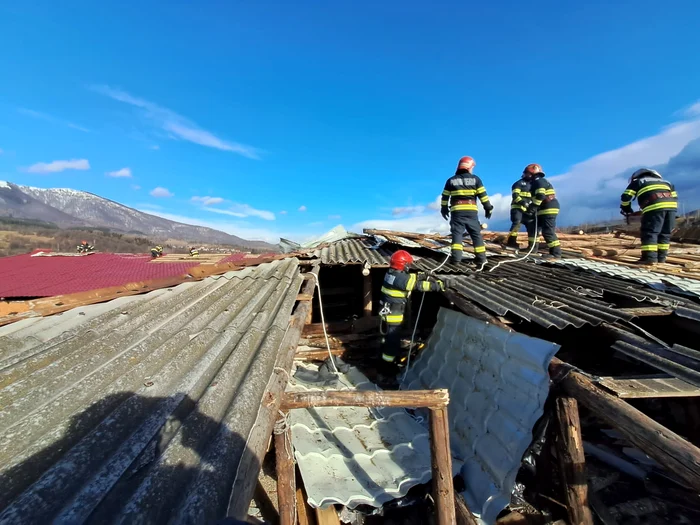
(659, 203)
(520, 201)
(194, 252)
(542, 211)
(458, 204)
(396, 289)
(157, 252)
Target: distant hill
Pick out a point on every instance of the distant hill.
(71, 208)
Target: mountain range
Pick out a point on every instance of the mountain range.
(68, 208)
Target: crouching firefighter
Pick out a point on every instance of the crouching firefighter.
(519, 203)
(541, 215)
(396, 289)
(458, 205)
(659, 203)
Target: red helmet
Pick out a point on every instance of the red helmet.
(400, 260)
(532, 170)
(466, 163)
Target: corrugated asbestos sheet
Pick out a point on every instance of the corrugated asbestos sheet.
(559, 297)
(356, 455)
(498, 383)
(138, 410)
(352, 251)
(658, 281)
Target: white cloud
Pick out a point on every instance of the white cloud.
(249, 211)
(334, 217)
(135, 187)
(226, 212)
(49, 118)
(176, 125)
(691, 111)
(407, 210)
(208, 201)
(283, 212)
(161, 192)
(155, 147)
(58, 165)
(302, 208)
(124, 172)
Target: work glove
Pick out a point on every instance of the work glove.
(488, 213)
(445, 214)
(625, 210)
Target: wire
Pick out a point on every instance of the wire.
(323, 323)
(534, 243)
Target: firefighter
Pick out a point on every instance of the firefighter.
(157, 252)
(659, 203)
(396, 289)
(458, 205)
(542, 211)
(520, 201)
(194, 252)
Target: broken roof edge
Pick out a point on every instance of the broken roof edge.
(12, 311)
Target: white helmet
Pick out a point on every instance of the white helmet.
(645, 171)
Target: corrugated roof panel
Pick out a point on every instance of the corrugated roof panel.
(140, 409)
(498, 383)
(352, 251)
(662, 282)
(356, 455)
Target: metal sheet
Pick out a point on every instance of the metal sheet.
(140, 409)
(498, 383)
(352, 251)
(358, 456)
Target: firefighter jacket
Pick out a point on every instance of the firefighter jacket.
(397, 288)
(520, 195)
(652, 193)
(544, 198)
(461, 191)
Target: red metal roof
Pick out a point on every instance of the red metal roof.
(37, 276)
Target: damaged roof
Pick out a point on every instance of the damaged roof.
(357, 455)
(498, 383)
(139, 409)
(45, 276)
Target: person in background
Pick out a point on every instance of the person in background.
(194, 252)
(520, 201)
(156, 252)
(542, 211)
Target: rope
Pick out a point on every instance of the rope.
(323, 323)
(524, 256)
(413, 336)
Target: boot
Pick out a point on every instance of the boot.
(512, 244)
(646, 260)
(480, 260)
(662, 256)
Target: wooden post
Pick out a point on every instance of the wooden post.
(367, 398)
(572, 462)
(286, 482)
(441, 459)
(367, 295)
(463, 514)
(665, 446)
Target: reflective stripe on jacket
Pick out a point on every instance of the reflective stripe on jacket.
(652, 193)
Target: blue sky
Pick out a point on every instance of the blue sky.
(286, 118)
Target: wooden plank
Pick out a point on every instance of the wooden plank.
(327, 516)
(372, 398)
(648, 311)
(660, 443)
(304, 511)
(649, 388)
(268, 413)
(367, 295)
(462, 513)
(572, 462)
(441, 462)
(286, 477)
(305, 297)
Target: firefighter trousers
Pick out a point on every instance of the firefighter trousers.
(656, 234)
(462, 222)
(516, 219)
(546, 224)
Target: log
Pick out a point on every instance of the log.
(572, 462)
(367, 295)
(305, 297)
(381, 398)
(249, 467)
(286, 481)
(660, 443)
(463, 515)
(335, 328)
(441, 462)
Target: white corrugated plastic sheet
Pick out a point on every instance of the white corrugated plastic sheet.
(357, 455)
(498, 383)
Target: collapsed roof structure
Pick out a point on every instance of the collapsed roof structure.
(152, 394)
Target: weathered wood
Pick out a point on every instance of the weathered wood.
(514, 518)
(647, 311)
(286, 481)
(441, 461)
(368, 398)
(660, 443)
(304, 510)
(572, 463)
(335, 328)
(319, 354)
(367, 295)
(600, 509)
(462, 513)
(473, 310)
(248, 468)
(305, 297)
(327, 516)
(649, 387)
